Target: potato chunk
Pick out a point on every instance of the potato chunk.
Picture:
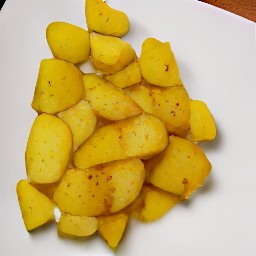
(36, 208)
(59, 86)
(112, 227)
(139, 136)
(110, 54)
(202, 124)
(170, 104)
(158, 64)
(100, 190)
(68, 42)
(77, 226)
(180, 169)
(48, 149)
(109, 101)
(126, 77)
(154, 204)
(81, 120)
(103, 19)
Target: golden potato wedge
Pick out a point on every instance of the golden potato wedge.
(157, 63)
(126, 77)
(112, 227)
(82, 121)
(47, 189)
(77, 226)
(48, 150)
(170, 104)
(154, 204)
(36, 208)
(180, 169)
(100, 190)
(202, 124)
(109, 101)
(101, 18)
(68, 42)
(138, 136)
(59, 86)
(110, 54)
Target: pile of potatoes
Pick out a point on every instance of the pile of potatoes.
(117, 143)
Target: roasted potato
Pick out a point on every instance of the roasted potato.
(101, 189)
(36, 208)
(76, 226)
(158, 64)
(101, 18)
(180, 169)
(139, 136)
(153, 203)
(111, 228)
(82, 121)
(109, 101)
(68, 42)
(202, 124)
(127, 76)
(59, 86)
(48, 149)
(110, 54)
(170, 104)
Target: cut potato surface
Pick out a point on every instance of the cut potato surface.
(110, 54)
(180, 169)
(158, 64)
(59, 86)
(48, 149)
(139, 136)
(77, 226)
(68, 42)
(112, 227)
(100, 190)
(82, 121)
(101, 18)
(36, 208)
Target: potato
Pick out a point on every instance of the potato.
(59, 86)
(126, 77)
(68, 42)
(112, 227)
(100, 190)
(110, 54)
(77, 226)
(103, 19)
(141, 94)
(81, 120)
(139, 136)
(170, 104)
(48, 150)
(180, 169)
(109, 101)
(158, 64)
(36, 208)
(202, 124)
(154, 204)
(47, 189)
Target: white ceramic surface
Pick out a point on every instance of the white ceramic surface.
(216, 52)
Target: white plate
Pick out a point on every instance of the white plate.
(215, 51)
